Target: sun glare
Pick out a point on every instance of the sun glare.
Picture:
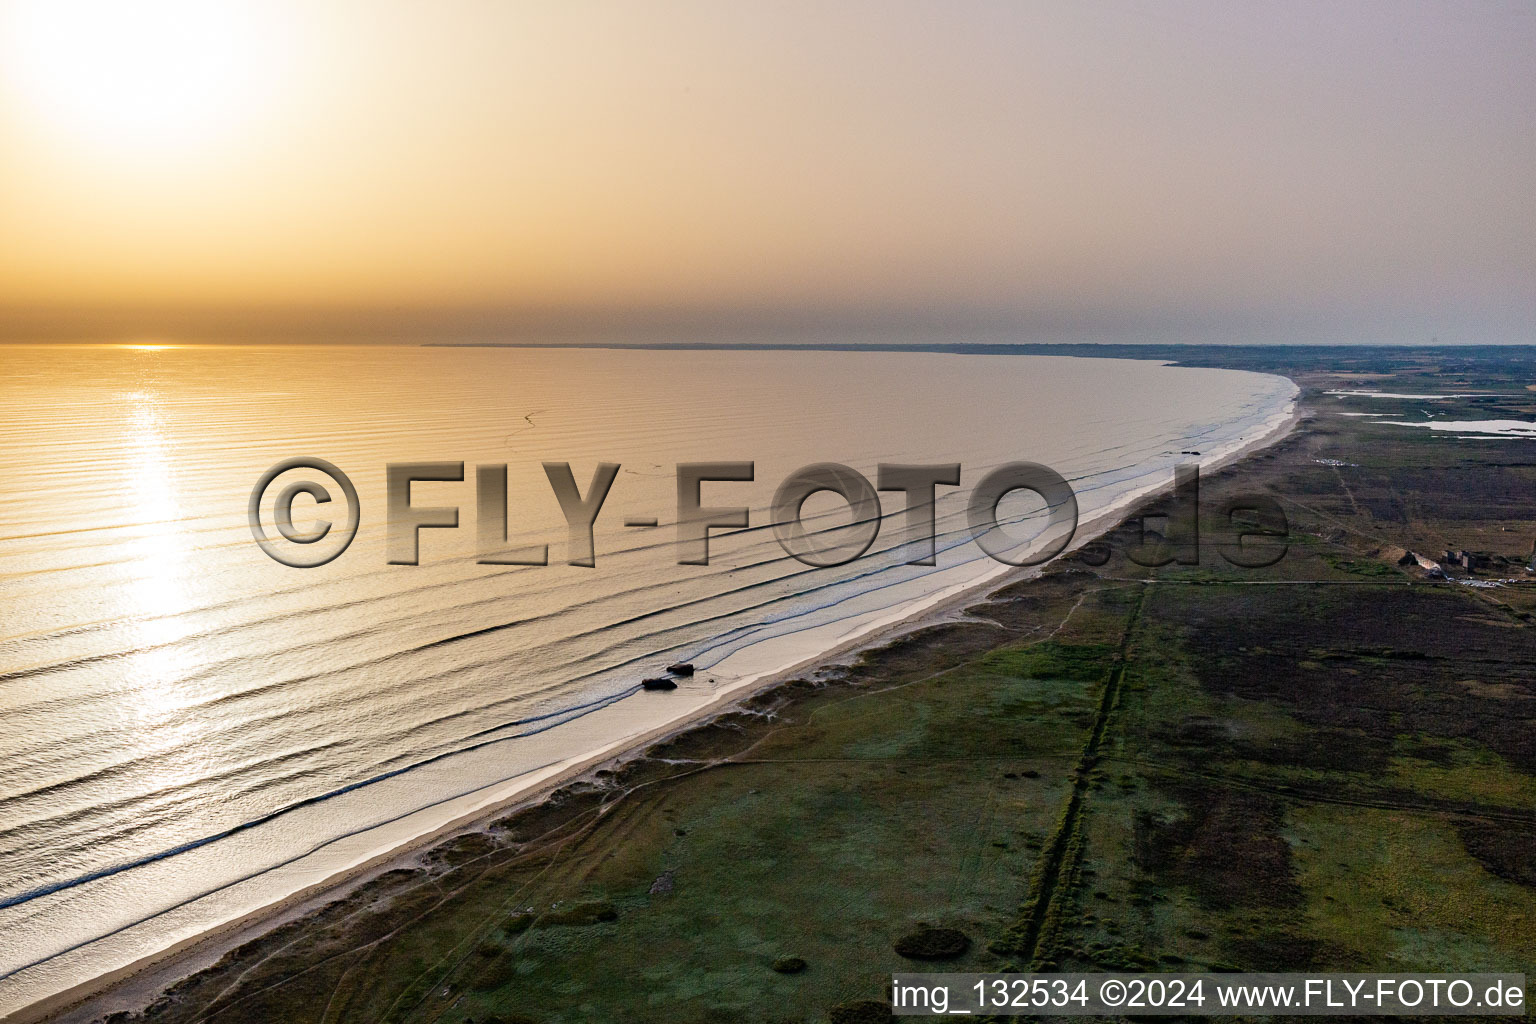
(151, 75)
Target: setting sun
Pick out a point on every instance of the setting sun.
(147, 76)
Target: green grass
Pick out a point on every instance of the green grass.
(1368, 568)
(1399, 892)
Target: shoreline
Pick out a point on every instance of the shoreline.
(136, 984)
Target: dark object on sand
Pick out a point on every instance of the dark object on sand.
(789, 965)
(658, 683)
(682, 668)
(933, 944)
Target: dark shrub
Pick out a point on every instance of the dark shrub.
(933, 944)
(1508, 851)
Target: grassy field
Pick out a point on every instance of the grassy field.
(1329, 763)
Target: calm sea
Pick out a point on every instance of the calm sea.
(194, 730)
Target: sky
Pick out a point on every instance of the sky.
(1086, 170)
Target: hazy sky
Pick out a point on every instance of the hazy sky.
(1310, 171)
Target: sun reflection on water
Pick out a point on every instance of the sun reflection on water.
(157, 594)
